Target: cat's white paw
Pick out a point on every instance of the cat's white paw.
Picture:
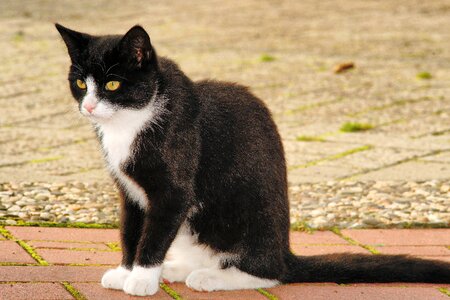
(175, 271)
(142, 281)
(205, 280)
(115, 278)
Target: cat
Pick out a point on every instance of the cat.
(201, 171)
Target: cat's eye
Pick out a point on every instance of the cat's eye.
(112, 85)
(81, 84)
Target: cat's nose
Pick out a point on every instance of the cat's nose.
(89, 107)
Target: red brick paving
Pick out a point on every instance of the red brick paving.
(65, 234)
(11, 252)
(96, 291)
(62, 256)
(41, 291)
(415, 250)
(400, 237)
(315, 250)
(44, 282)
(63, 245)
(188, 294)
(327, 292)
(51, 273)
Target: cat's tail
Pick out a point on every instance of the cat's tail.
(351, 268)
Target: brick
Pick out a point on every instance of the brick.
(41, 291)
(188, 294)
(51, 273)
(415, 250)
(326, 292)
(317, 237)
(443, 258)
(65, 234)
(60, 256)
(96, 291)
(11, 252)
(65, 245)
(318, 250)
(406, 237)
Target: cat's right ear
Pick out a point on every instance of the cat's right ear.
(75, 41)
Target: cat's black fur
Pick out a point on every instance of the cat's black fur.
(214, 159)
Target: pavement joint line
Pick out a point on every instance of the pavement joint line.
(433, 133)
(302, 108)
(32, 161)
(73, 291)
(37, 118)
(332, 157)
(29, 249)
(415, 157)
(169, 291)
(267, 294)
(354, 242)
(444, 291)
(400, 102)
(21, 223)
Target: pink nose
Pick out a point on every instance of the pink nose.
(89, 107)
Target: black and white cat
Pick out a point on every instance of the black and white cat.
(201, 170)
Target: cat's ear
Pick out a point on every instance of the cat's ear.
(136, 47)
(75, 41)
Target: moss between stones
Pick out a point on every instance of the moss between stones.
(302, 226)
(114, 246)
(172, 293)
(353, 242)
(444, 291)
(32, 252)
(73, 291)
(267, 294)
(64, 225)
(355, 127)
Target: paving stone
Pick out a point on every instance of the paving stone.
(96, 291)
(59, 256)
(63, 245)
(52, 273)
(41, 291)
(188, 294)
(319, 250)
(65, 234)
(317, 237)
(399, 237)
(415, 250)
(409, 171)
(326, 292)
(12, 252)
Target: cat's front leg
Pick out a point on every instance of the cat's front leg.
(161, 224)
(132, 222)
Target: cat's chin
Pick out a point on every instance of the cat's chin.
(97, 118)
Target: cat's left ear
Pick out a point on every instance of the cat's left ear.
(136, 47)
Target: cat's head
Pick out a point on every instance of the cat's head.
(110, 73)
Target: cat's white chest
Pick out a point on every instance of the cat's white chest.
(118, 143)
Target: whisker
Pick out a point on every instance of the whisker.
(112, 74)
(111, 68)
(103, 69)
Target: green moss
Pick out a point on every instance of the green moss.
(424, 75)
(309, 138)
(353, 242)
(73, 291)
(114, 246)
(301, 226)
(444, 291)
(32, 253)
(172, 293)
(355, 127)
(332, 157)
(267, 294)
(5, 232)
(66, 225)
(266, 58)
(44, 160)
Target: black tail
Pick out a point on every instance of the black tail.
(350, 268)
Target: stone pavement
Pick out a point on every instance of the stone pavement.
(67, 263)
(284, 50)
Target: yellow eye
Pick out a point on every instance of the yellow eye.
(81, 84)
(112, 85)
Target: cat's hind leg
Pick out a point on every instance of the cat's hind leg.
(226, 279)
